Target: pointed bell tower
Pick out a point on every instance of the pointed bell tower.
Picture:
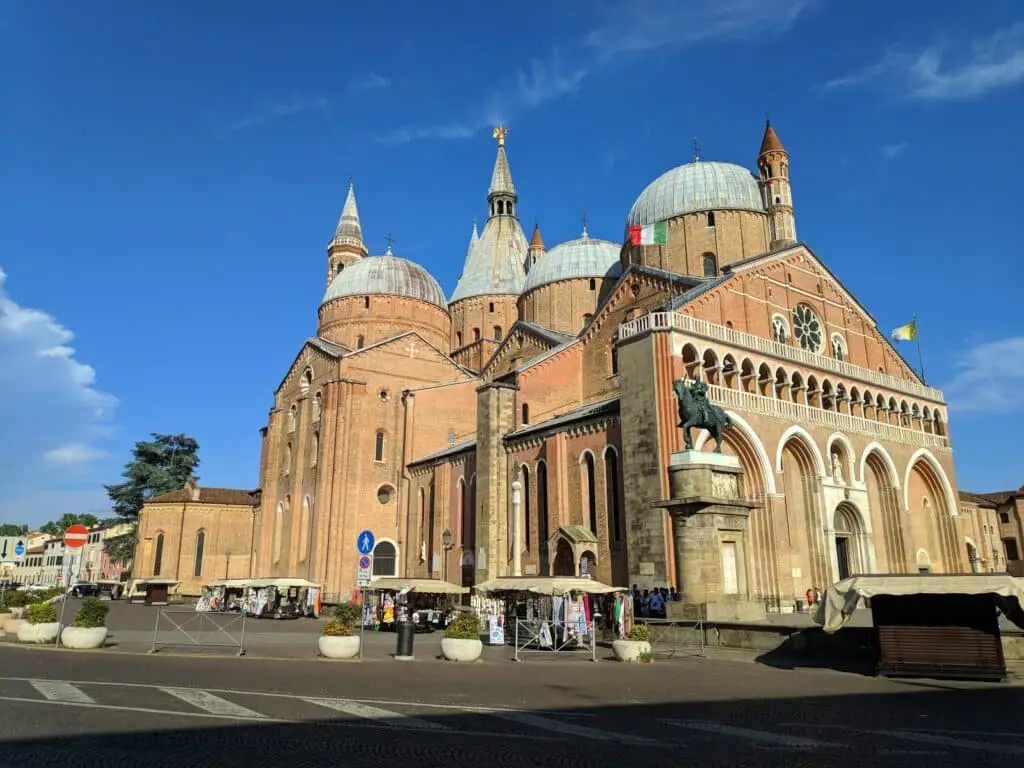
(502, 197)
(537, 248)
(773, 166)
(347, 246)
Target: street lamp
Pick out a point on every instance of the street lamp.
(257, 499)
(517, 534)
(446, 545)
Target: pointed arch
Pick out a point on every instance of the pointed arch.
(890, 465)
(801, 434)
(949, 498)
(307, 506)
(760, 454)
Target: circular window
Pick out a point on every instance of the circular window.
(384, 494)
(384, 395)
(807, 328)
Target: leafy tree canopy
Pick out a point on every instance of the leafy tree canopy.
(12, 529)
(57, 527)
(158, 466)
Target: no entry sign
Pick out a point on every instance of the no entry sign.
(75, 536)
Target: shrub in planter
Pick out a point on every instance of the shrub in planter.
(635, 647)
(89, 627)
(461, 641)
(339, 640)
(40, 625)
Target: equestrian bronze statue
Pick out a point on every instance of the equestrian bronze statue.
(695, 410)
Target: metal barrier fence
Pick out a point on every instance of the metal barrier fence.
(670, 637)
(537, 636)
(176, 627)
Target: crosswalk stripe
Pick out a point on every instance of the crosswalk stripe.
(384, 716)
(947, 741)
(61, 692)
(215, 705)
(566, 729)
(748, 734)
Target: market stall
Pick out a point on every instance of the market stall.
(284, 598)
(151, 591)
(931, 625)
(547, 614)
(431, 602)
(225, 595)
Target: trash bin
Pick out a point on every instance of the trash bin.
(405, 627)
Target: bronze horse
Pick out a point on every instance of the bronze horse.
(695, 410)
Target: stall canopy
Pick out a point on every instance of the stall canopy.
(546, 586)
(842, 597)
(230, 583)
(423, 586)
(282, 583)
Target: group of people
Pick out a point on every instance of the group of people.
(652, 603)
(813, 597)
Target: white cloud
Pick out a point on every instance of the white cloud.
(53, 416)
(947, 72)
(622, 29)
(989, 378)
(892, 151)
(371, 81)
(276, 110)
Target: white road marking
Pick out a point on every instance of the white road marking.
(215, 705)
(947, 741)
(383, 716)
(568, 729)
(144, 710)
(748, 734)
(61, 692)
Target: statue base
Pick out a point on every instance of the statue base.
(724, 610)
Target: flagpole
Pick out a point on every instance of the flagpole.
(920, 354)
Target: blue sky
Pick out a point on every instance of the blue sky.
(172, 173)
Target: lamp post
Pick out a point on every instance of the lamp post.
(517, 546)
(446, 545)
(257, 499)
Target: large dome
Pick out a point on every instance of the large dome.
(585, 257)
(697, 186)
(386, 274)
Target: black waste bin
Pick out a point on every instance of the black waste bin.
(405, 627)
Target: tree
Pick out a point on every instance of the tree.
(11, 529)
(158, 466)
(57, 527)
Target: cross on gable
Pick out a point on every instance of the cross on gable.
(412, 347)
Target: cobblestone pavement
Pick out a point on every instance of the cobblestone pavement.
(95, 709)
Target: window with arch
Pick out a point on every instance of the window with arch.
(593, 284)
(360, 341)
(158, 554)
(307, 381)
(304, 529)
(314, 449)
(711, 218)
(589, 486)
(780, 329)
(287, 468)
(542, 505)
(366, 302)
(497, 333)
(385, 559)
(476, 334)
(458, 338)
(197, 569)
(464, 523)
(709, 264)
(318, 406)
(838, 347)
(278, 532)
(526, 414)
(293, 417)
(587, 318)
(378, 446)
(808, 329)
(338, 268)
(527, 510)
(615, 354)
(490, 307)
(612, 490)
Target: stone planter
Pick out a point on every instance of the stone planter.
(630, 650)
(10, 626)
(83, 637)
(455, 649)
(332, 647)
(38, 633)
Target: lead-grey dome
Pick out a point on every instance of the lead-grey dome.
(584, 257)
(387, 275)
(697, 186)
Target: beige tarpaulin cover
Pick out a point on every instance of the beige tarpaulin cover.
(842, 597)
(423, 586)
(546, 586)
(279, 584)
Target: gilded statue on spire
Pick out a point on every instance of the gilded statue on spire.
(499, 133)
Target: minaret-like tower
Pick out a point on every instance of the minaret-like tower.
(537, 248)
(347, 246)
(483, 304)
(773, 165)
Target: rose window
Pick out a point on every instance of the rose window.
(807, 328)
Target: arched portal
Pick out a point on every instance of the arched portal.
(565, 564)
(850, 541)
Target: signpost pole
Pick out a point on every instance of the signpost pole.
(75, 537)
(365, 542)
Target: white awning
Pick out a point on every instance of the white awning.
(282, 583)
(840, 600)
(540, 585)
(423, 586)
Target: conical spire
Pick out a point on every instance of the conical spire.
(475, 236)
(536, 241)
(770, 142)
(501, 178)
(348, 224)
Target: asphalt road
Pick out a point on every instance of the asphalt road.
(63, 708)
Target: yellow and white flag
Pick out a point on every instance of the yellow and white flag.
(906, 332)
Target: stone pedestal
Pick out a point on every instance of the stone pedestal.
(709, 526)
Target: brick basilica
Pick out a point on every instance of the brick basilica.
(531, 417)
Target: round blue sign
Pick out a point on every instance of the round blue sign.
(19, 550)
(364, 562)
(365, 542)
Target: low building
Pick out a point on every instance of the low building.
(1008, 509)
(196, 535)
(96, 564)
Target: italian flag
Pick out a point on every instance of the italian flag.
(652, 234)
